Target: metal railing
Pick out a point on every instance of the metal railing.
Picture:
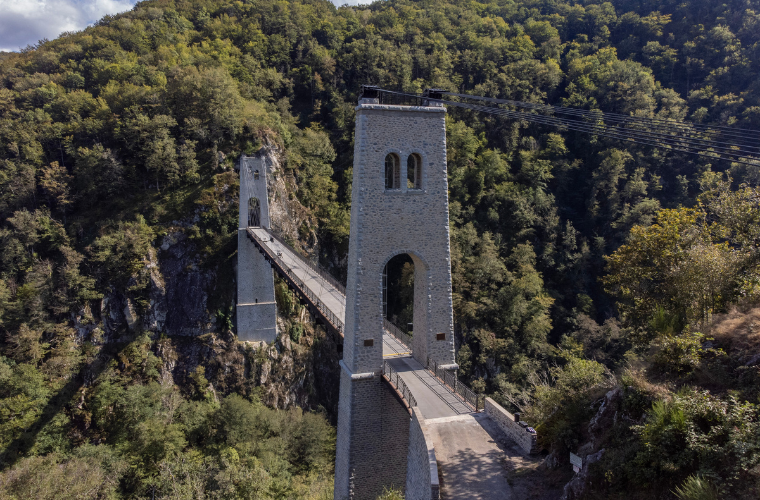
(297, 283)
(385, 96)
(312, 265)
(395, 331)
(449, 378)
(395, 379)
(400, 100)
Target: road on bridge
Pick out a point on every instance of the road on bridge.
(470, 449)
(434, 399)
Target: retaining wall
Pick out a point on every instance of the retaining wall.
(422, 468)
(506, 422)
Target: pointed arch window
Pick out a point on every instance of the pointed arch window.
(392, 172)
(414, 171)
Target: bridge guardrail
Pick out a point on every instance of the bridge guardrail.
(449, 378)
(328, 315)
(394, 378)
(395, 331)
(314, 267)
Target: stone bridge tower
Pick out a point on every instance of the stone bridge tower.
(399, 206)
(256, 307)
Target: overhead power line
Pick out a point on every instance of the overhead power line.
(684, 127)
(714, 142)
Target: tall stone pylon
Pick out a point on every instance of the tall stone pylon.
(399, 205)
(256, 307)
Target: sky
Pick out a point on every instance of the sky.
(25, 22)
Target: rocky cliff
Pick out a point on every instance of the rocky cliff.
(184, 302)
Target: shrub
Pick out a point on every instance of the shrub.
(679, 353)
(296, 330)
(391, 494)
(697, 433)
(560, 402)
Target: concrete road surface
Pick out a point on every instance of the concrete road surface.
(471, 457)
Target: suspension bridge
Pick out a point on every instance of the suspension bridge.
(326, 300)
(459, 444)
(403, 414)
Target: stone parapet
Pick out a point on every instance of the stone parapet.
(395, 107)
(422, 468)
(514, 430)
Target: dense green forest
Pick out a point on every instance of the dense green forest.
(581, 266)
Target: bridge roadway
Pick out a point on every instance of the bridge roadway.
(434, 399)
(469, 447)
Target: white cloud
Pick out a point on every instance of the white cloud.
(25, 22)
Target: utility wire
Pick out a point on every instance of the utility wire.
(651, 137)
(639, 137)
(616, 117)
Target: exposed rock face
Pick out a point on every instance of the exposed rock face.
(179, 288)
(287, 215)
(574, 489)
(112, 315)
(599, 426)
(606, 414)
(178, 293)
(155, 316)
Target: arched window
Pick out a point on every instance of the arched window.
(414, 171)
(392, 172)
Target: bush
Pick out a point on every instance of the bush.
(296, 330)
(679, 353)
(697, 433)
(93, 472)
(391, 495)
(560, 402)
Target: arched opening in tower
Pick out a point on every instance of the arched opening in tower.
(254, 212)
(398, 292)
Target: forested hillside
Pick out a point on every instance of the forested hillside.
(582, 266)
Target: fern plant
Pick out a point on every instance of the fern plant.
(696, 488)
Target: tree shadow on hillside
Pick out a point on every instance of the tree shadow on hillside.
(20, 447)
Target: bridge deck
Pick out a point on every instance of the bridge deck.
(327, 293)
(434, 399)
(469, 447)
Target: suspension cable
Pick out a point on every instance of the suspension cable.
(666, 134)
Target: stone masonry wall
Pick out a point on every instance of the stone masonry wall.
(395, 439)
(422, 469)
(343, 473)
(386, 223)
(256, 310)
(506, 421)
(373, 427)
